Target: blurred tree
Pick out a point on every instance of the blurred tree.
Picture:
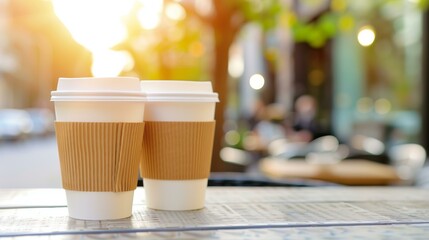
(225, 20)
(177, 49)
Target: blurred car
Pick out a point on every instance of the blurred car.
(42, 120)
(15, 124)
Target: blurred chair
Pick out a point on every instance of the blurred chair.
(367, 147)
(324, 144)
(282, 148)
(408, 160)
(236, 156)
(368, 141)
(325, 147)
(325, 150)
(373, 129)
(367, 144)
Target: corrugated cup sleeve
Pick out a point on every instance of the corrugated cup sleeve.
(177, 150)
(99, 156)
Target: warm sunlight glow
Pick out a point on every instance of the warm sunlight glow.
(235, 67)
(149, 15)
(366, 36)
(197, 49)
(175, 11)
(256, 81)
(110, 63)
(236, 61)
(94, 24)
(204, 7)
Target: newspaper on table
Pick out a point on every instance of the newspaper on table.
(43, 211)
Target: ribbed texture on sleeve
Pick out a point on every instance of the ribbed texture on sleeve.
(177, 150)
(98, 156)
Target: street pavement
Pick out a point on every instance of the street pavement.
(30, 163)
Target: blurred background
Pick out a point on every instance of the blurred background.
(314, 83)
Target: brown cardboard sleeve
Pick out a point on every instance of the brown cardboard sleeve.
(99, 156)
(177, 150)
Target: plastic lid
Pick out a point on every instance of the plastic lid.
(97, 84)
(179, 91)
(98, 89)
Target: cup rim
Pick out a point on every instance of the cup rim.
(97, 99)
(176, 86)
(98, 93)
(182, 97)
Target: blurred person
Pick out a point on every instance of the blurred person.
(305, 123)
(269, 126)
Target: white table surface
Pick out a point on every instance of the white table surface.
(233, 213)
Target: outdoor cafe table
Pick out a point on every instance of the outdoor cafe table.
(232, 213)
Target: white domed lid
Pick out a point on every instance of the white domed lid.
(178, 91)
(98, 89)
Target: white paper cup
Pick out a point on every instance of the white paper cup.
(115, 99)
(180, 101)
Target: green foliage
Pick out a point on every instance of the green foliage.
(423, 4)
(264, 12)
(327, 25)
(174, 50)
(318, 32)
(336, 19)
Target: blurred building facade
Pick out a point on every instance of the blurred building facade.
(319, 48)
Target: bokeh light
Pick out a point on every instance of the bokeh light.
(175, 11)
(204, 7)
(257, 81)
(149, 15)
(382, 106)
(232, 137)
(366, 36)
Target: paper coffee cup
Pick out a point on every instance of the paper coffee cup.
(180, 115)
(103, 117)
